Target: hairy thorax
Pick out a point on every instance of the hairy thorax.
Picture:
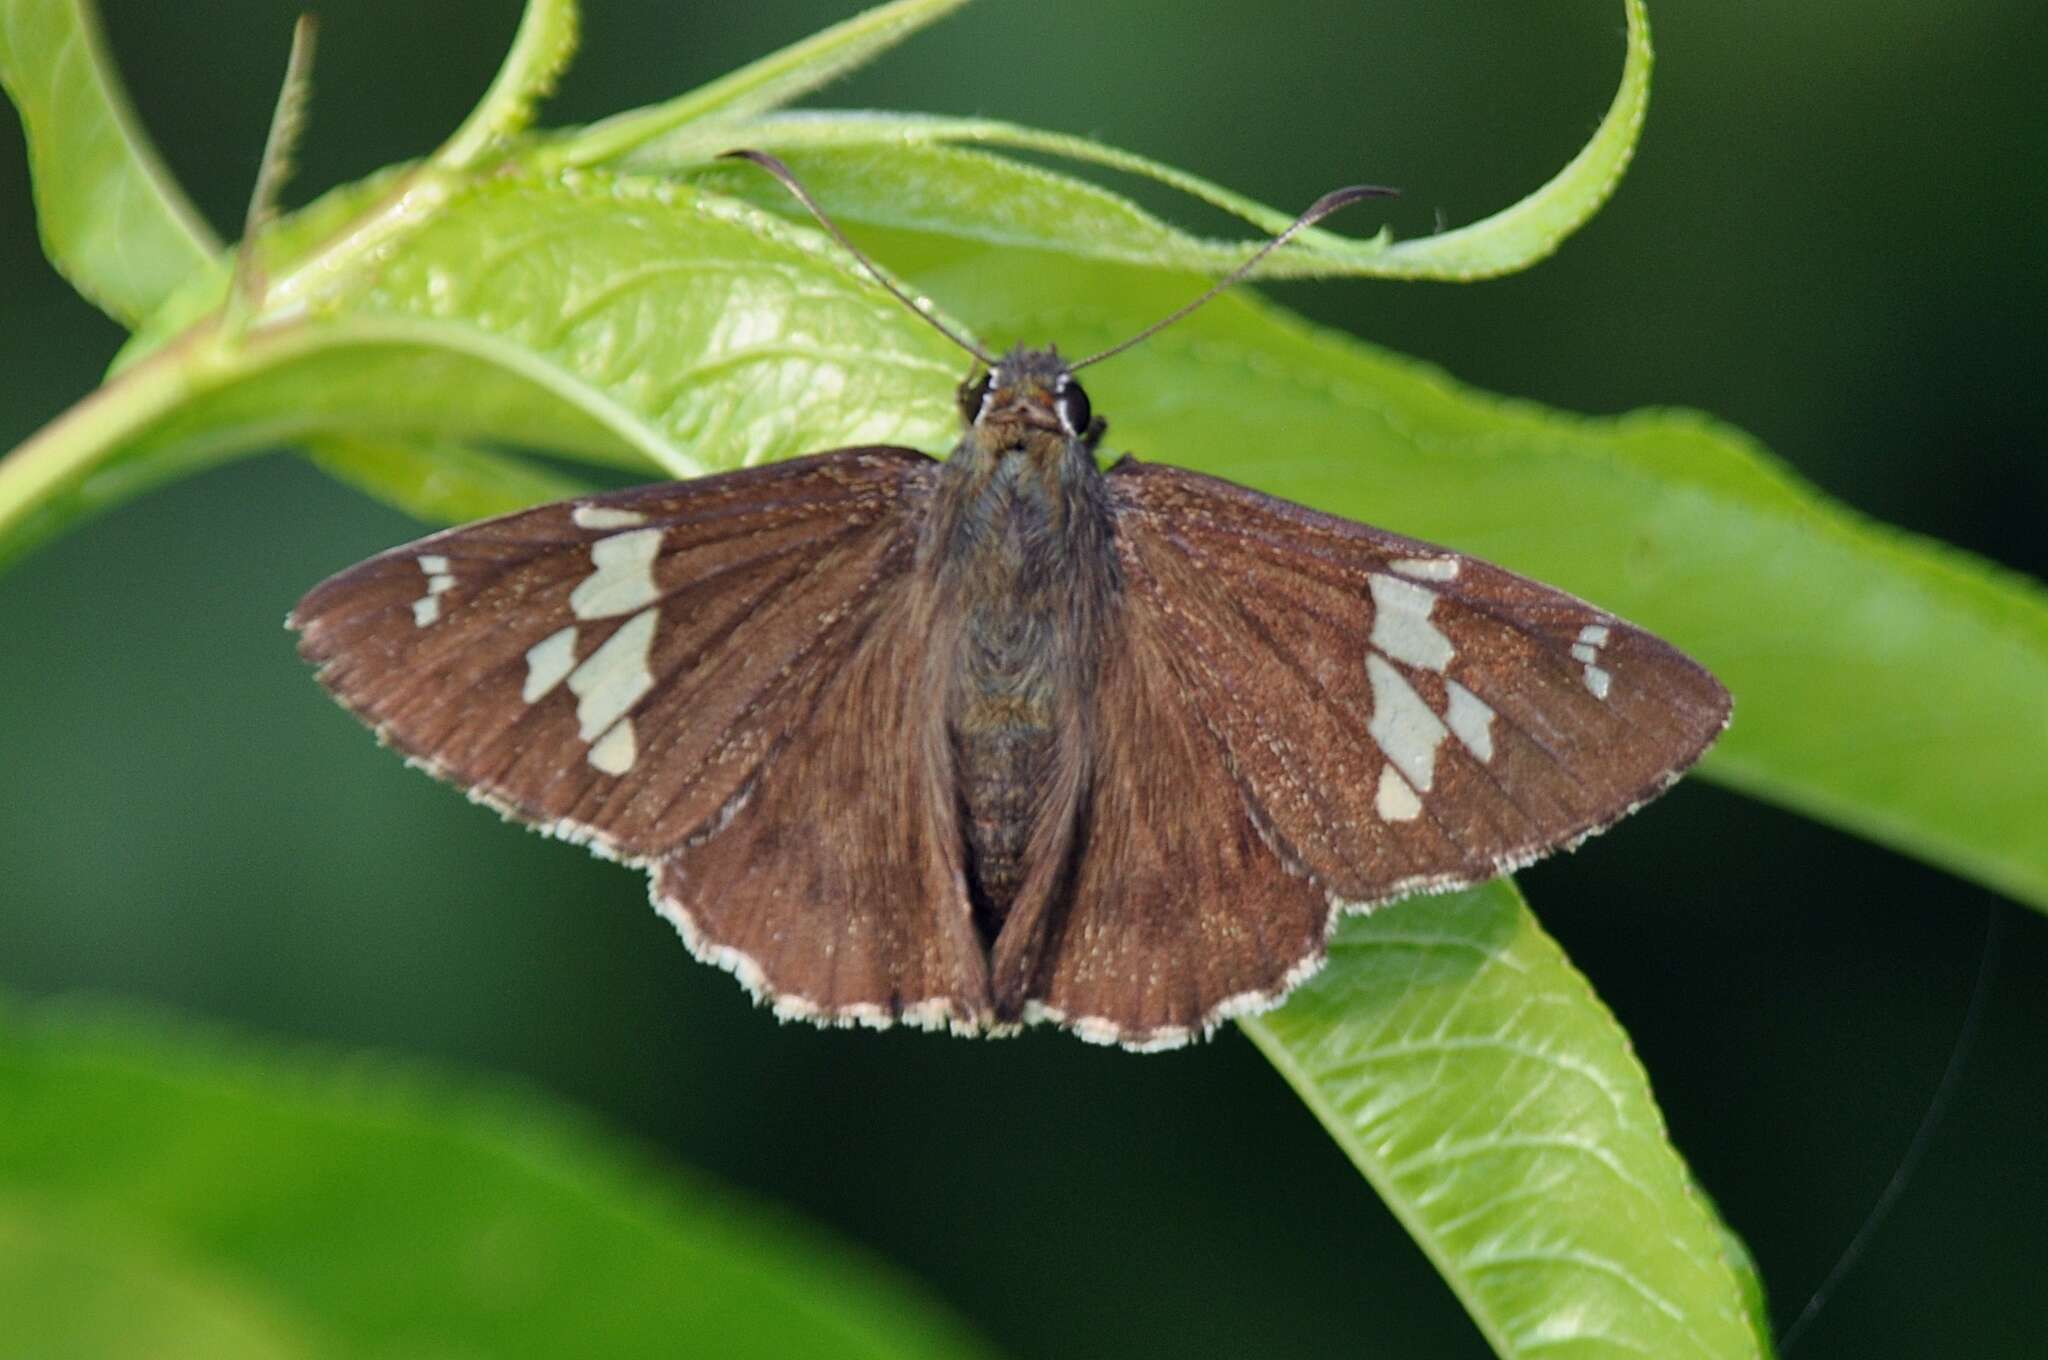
(1024, 557)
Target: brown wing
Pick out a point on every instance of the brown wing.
(1298, 715)
(627, 670)
(1180, 910)
(836, 882)
(1400, 717)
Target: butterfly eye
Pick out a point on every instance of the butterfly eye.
(973, 393)
(1072, 404)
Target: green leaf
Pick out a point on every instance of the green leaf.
(908, 171)
(75, 1285)
(1756, 1304)
(759, 86)
(730, 336)
(112, 220)
(541, 50)
(250, 1204)
(637, 324)
(1472, 1076)
(442, 483)
(915, 172)
(1535, 226)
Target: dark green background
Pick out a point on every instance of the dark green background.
(1832, 236)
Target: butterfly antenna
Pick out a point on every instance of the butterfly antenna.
(287, 122)
(1317, 211)
(775, 167)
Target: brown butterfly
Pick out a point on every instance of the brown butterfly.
(1007, 738)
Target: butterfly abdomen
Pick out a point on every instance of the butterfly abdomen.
(1003, 751)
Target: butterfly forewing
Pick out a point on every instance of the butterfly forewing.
(1400, 716)
(615, 669)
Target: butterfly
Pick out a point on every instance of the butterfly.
(1007, 738)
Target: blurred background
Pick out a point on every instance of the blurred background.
(1832, 237)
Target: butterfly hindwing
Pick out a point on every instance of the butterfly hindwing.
(835, 882)
(1179, 909)
(1399, 716)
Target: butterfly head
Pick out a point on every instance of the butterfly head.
(1027, 395)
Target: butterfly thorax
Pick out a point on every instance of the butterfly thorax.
(1021, 552)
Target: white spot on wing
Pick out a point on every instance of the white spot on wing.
(1427, 568)
(1471, 719)
(622, 579)
(548, 663)
(616, 750)
(427, 608)
(614, 677)
(1395, 801)
(1586, 651)
(1401, 626)
(1403, 725)
(605, 517)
